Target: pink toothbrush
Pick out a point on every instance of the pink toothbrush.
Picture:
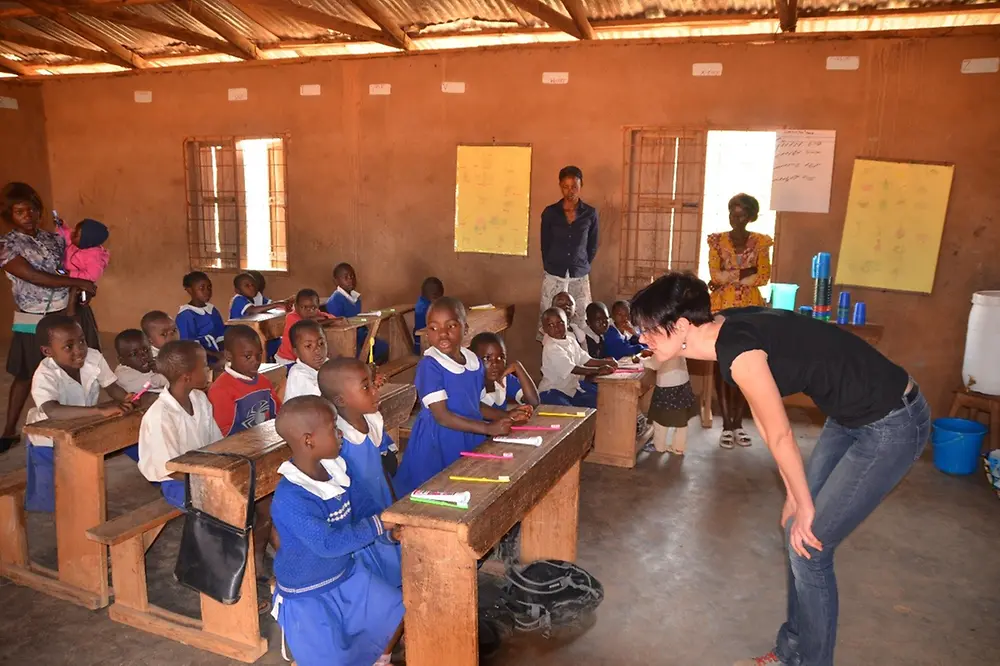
(471, 454)
(536, 428)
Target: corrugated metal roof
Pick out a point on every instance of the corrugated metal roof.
(434, 24)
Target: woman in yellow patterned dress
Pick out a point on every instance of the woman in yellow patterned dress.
(739, 263)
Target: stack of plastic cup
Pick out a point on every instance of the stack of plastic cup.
(823, 294)
(844, 307)
(860, 314)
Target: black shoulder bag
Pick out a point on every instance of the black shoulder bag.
(213, 553)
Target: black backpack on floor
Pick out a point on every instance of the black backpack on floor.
(550, 593)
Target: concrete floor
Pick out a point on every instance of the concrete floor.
(690, 555)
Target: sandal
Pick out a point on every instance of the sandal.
(675, 451)
(649, 448)
(727, 439)
(743, 437)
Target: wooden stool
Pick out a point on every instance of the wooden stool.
(975, 403)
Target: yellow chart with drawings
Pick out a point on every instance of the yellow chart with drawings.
(492, 193)
(892, 231)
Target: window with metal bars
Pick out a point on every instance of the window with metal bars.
(662, 190)
(236, 203)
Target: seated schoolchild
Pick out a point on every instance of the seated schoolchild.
(431, 290)
(331, 607)
(346, 302)
(309, 342)
(159, 328)
(199, 320)
(507, 385)
(621, 340)
(305, 307)
(137, 367)
(596, 328)
(242, 397)
(66, 385)
(564, 362)
(565, 302)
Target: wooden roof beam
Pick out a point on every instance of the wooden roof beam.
(548, 15)
(12, 66)
(382, 19)
(82, 6)
(123, 56)
(54, 46)
(165, 29)
(216, 24)
(323, 20)
(579, 15)
(787, 14)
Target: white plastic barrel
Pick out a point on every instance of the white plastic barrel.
(981, 368)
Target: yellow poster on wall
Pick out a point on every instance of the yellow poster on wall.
(892, 230)
(492, 199)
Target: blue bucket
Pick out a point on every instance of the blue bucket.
(957, 443)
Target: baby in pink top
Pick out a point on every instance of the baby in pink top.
(85, 256)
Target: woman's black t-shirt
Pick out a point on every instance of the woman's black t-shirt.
(845, 376)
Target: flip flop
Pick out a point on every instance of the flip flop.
(675, 451)
(743, 437)
(726, 440)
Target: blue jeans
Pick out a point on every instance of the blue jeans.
(850, 472)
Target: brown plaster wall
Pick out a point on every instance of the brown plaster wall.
(23, 157)
(371, 179)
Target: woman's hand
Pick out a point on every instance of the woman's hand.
(86, 286)
(801, 533)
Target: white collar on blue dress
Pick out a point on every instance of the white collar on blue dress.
(325, 490)
(449, 364)
(499, 393)
(352, 296)
(208, 308)
(375, 428)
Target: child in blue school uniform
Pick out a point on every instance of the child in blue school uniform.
(199, 320)
(346, 302)
(449, 384)
(621, 340)
(331, 607)
(66, 385)
(506, 386)
(431, 290)
(564, 363)
(248, 300)
(369, 450)
(598, 320)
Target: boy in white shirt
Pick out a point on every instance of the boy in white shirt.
(160, 328)
(181, 418)
(137, 365)
(309, 342)
(564, 362)
(66, 385)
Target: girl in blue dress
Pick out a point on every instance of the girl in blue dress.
(449, 384)
(369, 450)
(332, 609)
(507, 386)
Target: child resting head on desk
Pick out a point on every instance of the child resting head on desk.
(200, 320)
(507, 386)
(346, 302)
(136, 366)
(159, 328)
(305, 308)
(309, 342)
(331, 607)
(66, 385)
(242, 397)
(564, 362)
(449, 383)
(368, 450)
(431, 290)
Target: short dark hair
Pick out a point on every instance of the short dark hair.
(431, 282)
(451, 303)
(306, 293)
(300, 413)
(50, 323)
(239, 332)
(17, 193)
(748, 203)
(674, 296)
(133, 335)
(486, 338)
(177, 357)
(557, 312)
(193, 278)
(258, 277)
(342, 266)
(331, 374)
(620, 304)
(240, 276)
(594, 307)
(301, 327)
(152, 316)
(571, 172)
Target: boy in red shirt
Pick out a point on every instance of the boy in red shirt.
(306, 306)
(241, 397)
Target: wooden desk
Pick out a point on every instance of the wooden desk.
(617, 405)
(441, 545)
(219, 486)
(493, 320)
(268, 325)
(81, 503)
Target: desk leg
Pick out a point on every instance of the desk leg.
(13, 532)
(400, 339)
(440, 596)
(617, 406)
(80, 505)
(549, 529)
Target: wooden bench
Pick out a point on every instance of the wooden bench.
(13, 532)
(129, 536)
(495, 319)
(220, 486)
(441, 545)
(618, 403)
